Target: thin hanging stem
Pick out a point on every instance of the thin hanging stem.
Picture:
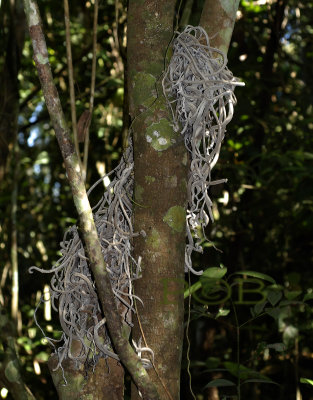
(14, 258)
(188, 339)
(71, 76)
(237, 348)
(92, 88)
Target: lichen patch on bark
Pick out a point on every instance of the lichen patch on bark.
(154, 239)
(149, 179)
(176, 218)
(160, 135)
(144, 89)
(230, 7)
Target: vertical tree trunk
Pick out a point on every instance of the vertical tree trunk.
(160, 181)
(218, 19)
(14, 21)
(160, 194)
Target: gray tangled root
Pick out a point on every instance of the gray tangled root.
(199, 90)
(72, 288)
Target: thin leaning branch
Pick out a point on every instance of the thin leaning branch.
(92, 87)
(71, 75)
(98, 266)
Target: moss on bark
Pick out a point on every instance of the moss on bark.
(158, 153)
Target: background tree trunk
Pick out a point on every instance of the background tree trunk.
(14, 20)
(160, 194)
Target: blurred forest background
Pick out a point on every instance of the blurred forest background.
(263, 215)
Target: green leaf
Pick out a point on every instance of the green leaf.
(214, 273)
(274, 296)
(291, 295)
(259, 307)
(273, 312)
(222, 313)
(209, 274)
(256, 274)
(305, 380)
(219, 383)
(42, 356)
(258, 381)
(308, 296)
(243, 372)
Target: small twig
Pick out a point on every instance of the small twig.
(92, 88)
(237, 348)
(71, 76)
(14, 255)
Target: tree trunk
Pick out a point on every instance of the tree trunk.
(218, 19)
(160, 195)
(106, 382)
(160, 182)
(14, 21)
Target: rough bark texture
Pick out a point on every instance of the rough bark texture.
(160, 194)
(101, 384)
(86, 222)
(218, 19)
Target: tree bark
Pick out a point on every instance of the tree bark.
(106, 382)
(160, 195)
(160, 182)
(218, 19)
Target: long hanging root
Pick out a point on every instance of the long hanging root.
(72, 288)
(200, 93)
(199, 90)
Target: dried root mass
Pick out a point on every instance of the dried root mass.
(199, 89)
(200, 92)
(72, 287)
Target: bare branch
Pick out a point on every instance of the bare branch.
(71, 75)
(92, 88)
